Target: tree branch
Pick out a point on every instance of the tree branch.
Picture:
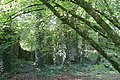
(115, 23)
(110, 11)
(26, 12)
(14, 15)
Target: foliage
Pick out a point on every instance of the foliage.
(90, 28)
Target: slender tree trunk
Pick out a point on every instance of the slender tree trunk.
(7, 59)
(38, 53)
(67, 43)
(82, 50)
(77, 49)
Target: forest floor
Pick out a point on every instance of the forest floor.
(68, 77)
(27, 71)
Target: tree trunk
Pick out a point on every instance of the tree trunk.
(67, 43)
(7, 59)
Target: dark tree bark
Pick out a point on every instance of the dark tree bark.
(19, 53)
(111, 19)
(7, 59)
(77, 48)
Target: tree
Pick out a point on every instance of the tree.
(72, 15)
(99, 20)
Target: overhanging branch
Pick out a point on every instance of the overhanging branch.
(113, 21)
(90, 24)
(90, 10)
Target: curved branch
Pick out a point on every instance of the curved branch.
(26, 8)
(8, 2)
(14, 15)
(26, 12)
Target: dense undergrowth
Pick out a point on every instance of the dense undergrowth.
(29, 69)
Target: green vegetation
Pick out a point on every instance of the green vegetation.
(49, 38)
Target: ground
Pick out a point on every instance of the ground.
(27, 71)
(67, 77)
